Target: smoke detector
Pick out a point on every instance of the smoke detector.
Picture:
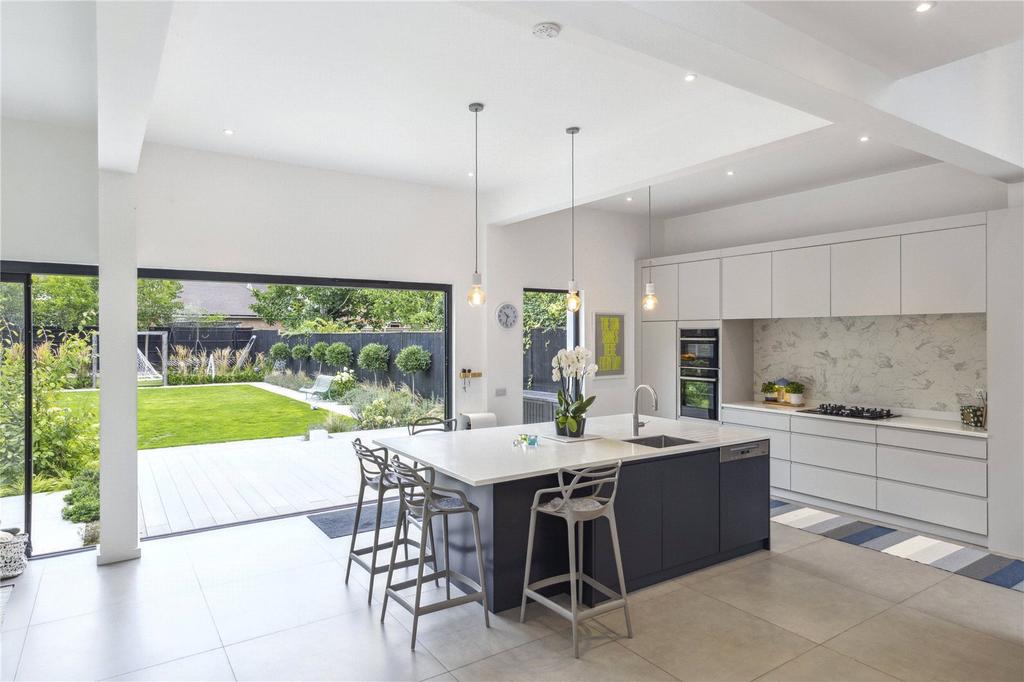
(546, 30)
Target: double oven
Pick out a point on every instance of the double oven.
(698, 373)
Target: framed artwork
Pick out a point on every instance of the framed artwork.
(610, 344)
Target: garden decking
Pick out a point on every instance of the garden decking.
(197, 486)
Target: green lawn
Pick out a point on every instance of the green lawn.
(190, 415)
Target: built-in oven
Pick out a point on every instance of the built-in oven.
(698, 393)
(698, 348)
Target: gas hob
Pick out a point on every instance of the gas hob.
(851, 411)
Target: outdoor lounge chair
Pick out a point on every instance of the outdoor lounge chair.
(320, 389)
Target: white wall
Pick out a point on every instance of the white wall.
(915, 194)
(535, 254)
(48, 182)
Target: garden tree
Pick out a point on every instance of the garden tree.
(319, 353)
(279, 354)
(374, 357)
(300, 352)
(339, 355)
(412, 360)
(71, 302)
(312, 309)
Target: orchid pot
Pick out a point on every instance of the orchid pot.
(570, 368)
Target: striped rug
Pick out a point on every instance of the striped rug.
(967, 561)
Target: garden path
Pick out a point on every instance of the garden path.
(295, 395)
(198, 486)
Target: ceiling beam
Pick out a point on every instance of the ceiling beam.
(129, 45)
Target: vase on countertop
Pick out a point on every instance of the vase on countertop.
(581, 426)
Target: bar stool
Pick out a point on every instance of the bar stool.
(376, 474)
(602, 482)
(421, 498)
(424, 424)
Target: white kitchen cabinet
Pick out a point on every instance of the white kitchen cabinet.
(830, 484)
(778, 473)
(699, 290)
(659, 367)
(747, 287)
(934, 506)
(866, 277)
(666, 287)
(833, 453)
(943, 271)
(800, 282)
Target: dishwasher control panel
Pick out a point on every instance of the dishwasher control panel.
(731, 453)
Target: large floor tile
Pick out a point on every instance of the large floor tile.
(693, 636)
(785, 538)
(22, 598)
(253, 606)
(11, 642)
(913, 645)
(810, 606)
(718, 569)
(551, 658)
(119, 639)
(824, 665)
(352, 646)
(975, 604)
(882, 575)
(209, 666)
(252, 550)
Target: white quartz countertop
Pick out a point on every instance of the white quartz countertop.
(917, 423)
(487, 456)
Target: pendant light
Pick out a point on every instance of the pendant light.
(650, 301)
(476, 297)
(572, 298)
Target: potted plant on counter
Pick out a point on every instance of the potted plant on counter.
(570, 368)
(768, 392)
(795, 393)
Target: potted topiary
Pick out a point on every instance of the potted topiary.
(768, 392)
(795, 393)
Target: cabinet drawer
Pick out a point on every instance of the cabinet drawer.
(965, 446)
(833, 453)
(833, 485)
(779, 473)
(833, 429)
(765, 420)
(933, 470)
(779, 439)
(935, 506)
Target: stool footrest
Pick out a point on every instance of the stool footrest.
(436, 606)
(454, 576)
(581, 614)
(358, 554)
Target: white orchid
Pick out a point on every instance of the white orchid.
(571, 368)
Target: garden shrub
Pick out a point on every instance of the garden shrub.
(90, 534)
(412, 360)
(300, 352)
(339, 355)
(374, 357)
(344, 381)
(338, 423)
(379, 406)
(83, 501)
(289, 379)
(279, 354)
(319, 353)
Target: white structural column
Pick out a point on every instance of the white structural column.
(119, 478)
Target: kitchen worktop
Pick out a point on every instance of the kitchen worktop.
(487, 456)
(917, 423)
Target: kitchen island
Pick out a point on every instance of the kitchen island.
(679, 508)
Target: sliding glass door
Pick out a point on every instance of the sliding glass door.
(15, 433)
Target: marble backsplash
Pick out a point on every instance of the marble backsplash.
(911, 361)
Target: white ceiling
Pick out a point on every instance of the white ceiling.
(382, 89)
(822, 157)
(897, 40)
(49, 61)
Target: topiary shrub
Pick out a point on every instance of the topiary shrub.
(319, 353)
(413, 360)
(279, 354)
(300, 352)
(339, 355)
(374, 357)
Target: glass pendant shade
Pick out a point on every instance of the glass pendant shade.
(650, 301)
(476, 297)
(573, 302)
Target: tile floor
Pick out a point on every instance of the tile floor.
(267, 601)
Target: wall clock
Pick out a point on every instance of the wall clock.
(507, 315)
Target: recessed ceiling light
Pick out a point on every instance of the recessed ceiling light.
(730, 173)
(690, 77)
(546, 30)
(864, 138)
(629, 198)
(229, 132)
(923, 7)
(470, 173)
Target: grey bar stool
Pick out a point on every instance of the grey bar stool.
(376, 474)
(424, 424)
(421, 498)
(601, 482)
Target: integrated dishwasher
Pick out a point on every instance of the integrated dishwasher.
(743, 494)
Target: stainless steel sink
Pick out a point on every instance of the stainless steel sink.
(659, 441)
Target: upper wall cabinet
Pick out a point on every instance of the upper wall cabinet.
(800, 282)
(699, 290)
(866, 277)
(666, 286)
(746, 287)
(943, 271)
